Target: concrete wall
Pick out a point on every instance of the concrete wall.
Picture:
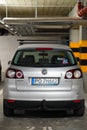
(84, 32)
(73, 13)
(74, 35)
(8, 45)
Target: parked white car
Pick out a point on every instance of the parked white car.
(44, 77)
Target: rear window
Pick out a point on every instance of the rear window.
(43, 58)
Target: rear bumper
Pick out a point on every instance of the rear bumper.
(44, 105)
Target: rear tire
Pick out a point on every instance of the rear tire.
(7, 111)
(80, 111)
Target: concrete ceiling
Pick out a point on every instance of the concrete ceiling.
(36, 17)
(36, 8)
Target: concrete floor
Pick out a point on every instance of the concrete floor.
(41, 121)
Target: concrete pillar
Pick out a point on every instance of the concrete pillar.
(74, 34)
(78, 44)
(83, 48)
(74, 41)
(83, 53)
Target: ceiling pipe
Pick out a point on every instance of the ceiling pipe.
(81, 9)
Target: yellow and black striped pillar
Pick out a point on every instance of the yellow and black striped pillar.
(80, 52)
(75, 48)
(83, 55)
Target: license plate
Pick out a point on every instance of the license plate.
(45, 81)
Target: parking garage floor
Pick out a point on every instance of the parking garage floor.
(41, 120)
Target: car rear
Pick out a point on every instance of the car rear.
(44, 77)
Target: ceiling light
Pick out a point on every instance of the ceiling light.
(11, 29)
(1, 21)
(6, 25)
(3, 2)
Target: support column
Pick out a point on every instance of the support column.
(83, 48)
(74, 41)
(79, 45)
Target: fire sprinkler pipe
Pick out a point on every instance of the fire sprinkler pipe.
(81, 9)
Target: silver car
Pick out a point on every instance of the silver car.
(44, 77)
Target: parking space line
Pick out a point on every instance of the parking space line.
(32, 128)
(50, 128)
(47, 128)
(1, 91)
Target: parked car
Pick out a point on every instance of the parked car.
(44, 77)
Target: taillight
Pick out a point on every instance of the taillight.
(77, 101)
(14, 73)
(10, 101)
(73, 74)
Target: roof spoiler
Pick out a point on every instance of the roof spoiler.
(63, 42)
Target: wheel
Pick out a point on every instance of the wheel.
(7, 111)
(80, 111)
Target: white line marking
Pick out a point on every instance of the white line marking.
(50, 128)
(32, 128)
(47, 128)
(1, 91)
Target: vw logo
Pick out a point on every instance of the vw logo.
(44, 71)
